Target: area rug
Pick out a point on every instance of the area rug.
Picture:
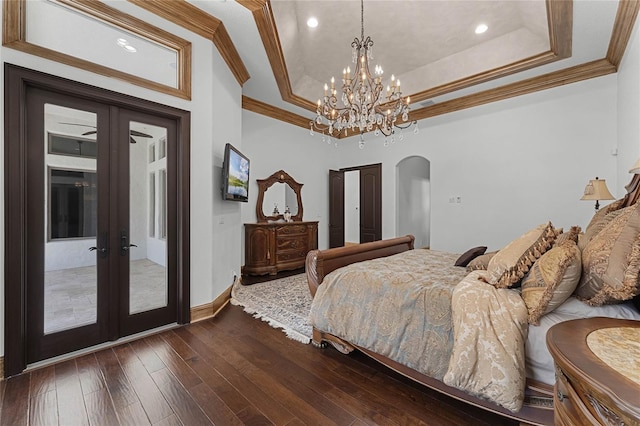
(283, 303)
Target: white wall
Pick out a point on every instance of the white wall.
(216, 118)
(352, 206)
(515, 164)
(272, 145)
(413, 199)
(629, 109)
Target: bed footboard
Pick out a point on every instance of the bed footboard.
(321, 262)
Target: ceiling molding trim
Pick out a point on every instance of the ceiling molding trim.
(559, 16)
(574, 74)
(535, 61)
(197, 21)
(14, 36)
(228, 51)
(622, 28)
(559, 12)
(271, 111)
(263, 16)
(253, 5)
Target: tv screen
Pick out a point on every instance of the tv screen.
(235, 175)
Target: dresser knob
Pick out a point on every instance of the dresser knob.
(561, 396)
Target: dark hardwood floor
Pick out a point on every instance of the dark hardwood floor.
(228, 370)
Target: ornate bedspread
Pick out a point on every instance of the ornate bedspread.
(399, 307)
(490, 328)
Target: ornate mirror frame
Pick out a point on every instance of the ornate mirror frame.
(278, 177)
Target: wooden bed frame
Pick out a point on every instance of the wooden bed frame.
(319, 263)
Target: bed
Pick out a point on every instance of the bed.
(468, 332)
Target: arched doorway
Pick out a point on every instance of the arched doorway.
(413, 199)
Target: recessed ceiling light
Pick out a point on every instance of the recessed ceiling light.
(481, 28)
(312, 22)
(125, 45)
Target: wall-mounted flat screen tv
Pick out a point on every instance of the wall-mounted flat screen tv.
(235, 175)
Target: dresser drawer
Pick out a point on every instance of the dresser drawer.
(292, 256)
(278, 246)
(569, 408)
(291, 230)
(292, 243)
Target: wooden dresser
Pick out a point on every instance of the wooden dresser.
(277, 246)
(597, 371)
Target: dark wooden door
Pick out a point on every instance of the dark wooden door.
(336, 208)
(144, 234)
(370, 203)
(97, 269)
(74, 208)
(67, 223)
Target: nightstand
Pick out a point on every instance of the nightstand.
(597, 364)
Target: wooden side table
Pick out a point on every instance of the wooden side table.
(597, 371)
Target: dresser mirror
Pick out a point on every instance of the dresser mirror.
(278, 190)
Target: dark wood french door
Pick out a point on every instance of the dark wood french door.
(336, 208)
(97, 224)
(370, 204)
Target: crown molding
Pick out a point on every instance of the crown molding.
(14, 35)
(196, 20)
(560, 15)
(586, 71)
(574, 74)
(259, 107)
(626, 16)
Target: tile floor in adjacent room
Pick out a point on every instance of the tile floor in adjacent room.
(70, 294)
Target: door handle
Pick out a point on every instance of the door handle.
(102, 247)
(124, 245)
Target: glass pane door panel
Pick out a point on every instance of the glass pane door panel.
(71, 200)
(147, 217)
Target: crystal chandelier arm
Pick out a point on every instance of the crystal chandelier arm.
(366, 107)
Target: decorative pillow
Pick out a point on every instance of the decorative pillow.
(510, 264)
(599, 220)
(481, 262)
(469, 255)
(572, 235)
(611, 260)
(552, 279)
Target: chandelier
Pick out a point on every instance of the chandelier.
(366, 105)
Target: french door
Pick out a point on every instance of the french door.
(100, 226)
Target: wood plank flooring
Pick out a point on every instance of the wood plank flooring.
(228, 370)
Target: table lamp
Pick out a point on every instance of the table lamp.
(597, 190)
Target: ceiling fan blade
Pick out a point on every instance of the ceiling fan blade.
(142, 135)
(77, 124)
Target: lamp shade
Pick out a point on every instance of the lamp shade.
(635, 168)
(597, 189)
